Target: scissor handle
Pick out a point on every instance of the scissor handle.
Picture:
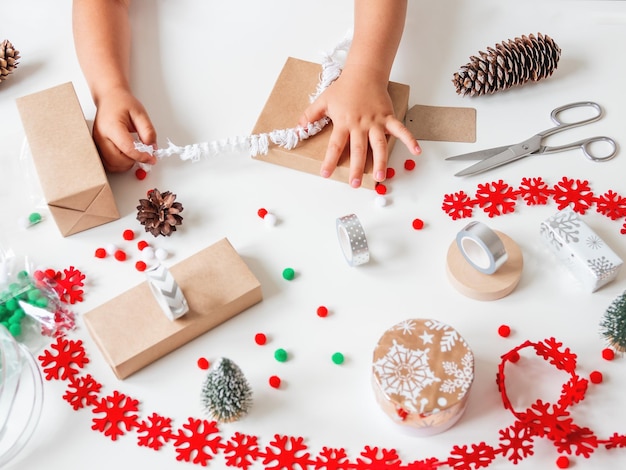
(585, 146)
(562, 125)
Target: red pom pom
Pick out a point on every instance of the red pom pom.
(562, 462)
(140, 266)
(608, 354)
(142, 244)
(101, 253)
(262, 212)
(322, 311)
(418, 224)
(260, 339)
(595, 377)
(128, 234)
(390, 173)
(504, 331)
(409, 164)
(120, 255)
(140, 173)
(274, 381)
(203, 363)
(381, 188)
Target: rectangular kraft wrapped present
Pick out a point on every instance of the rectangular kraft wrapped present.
(70, 171)
(584, 253)
(132, 331)
(288, 100)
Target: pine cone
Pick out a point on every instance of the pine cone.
(159, 213)
(511, 63)
(8, 59)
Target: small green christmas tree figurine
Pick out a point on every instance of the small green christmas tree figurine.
(226, 394)
(613, 325)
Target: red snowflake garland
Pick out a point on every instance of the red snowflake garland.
(199, 441)
(499, 198)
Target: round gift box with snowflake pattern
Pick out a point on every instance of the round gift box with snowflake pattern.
(422, 373)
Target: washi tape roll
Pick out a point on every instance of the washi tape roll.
(167, 292)
(422, 373)
(465, 276)
(481, 247)
(352, 240)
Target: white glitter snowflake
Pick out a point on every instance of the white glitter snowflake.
(462, 377)
(405, 372)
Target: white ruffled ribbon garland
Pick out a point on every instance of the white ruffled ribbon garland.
(258, 144)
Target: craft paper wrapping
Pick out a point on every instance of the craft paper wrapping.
(70, 171)
(422, 373)
(578, 247)
(288, 100)
(132, 331)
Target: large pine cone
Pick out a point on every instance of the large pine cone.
(159, 213)
(8, 59)
(511, 63)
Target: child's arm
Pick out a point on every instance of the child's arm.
(358, 102)
(102, 41)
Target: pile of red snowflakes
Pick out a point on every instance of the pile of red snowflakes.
(199, 441)
(498, 197)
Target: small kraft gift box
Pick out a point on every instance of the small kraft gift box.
(589, 259)
(70, 171)
(131, 329)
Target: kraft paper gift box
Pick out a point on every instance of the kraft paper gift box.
(577, 246)
(132, 331)
(288, 100)
(70, 171)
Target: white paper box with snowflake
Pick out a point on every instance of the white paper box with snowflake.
(590, 260)
(422, 372)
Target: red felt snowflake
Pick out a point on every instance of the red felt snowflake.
(458, 205)
(286, 452)
(479, 456)
(573, 193)
(612, 205)
(496, 198)
(69, 358)
(82, 391)
(193, 439)
(241, 450)
(154, 432)
(375, 459)
(517, 441)
(332, 459)
(119, 415)
(534, 191)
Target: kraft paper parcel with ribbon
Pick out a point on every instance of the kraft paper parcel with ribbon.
(132, 331)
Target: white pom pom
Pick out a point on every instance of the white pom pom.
(380, 201)
(270, 219)
(161, 254)
(110, 249)
(147, 253)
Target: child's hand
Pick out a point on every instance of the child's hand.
(119, 115)
(362, 114)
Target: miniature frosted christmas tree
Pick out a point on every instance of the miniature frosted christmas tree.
(613, 325)
(226, 394)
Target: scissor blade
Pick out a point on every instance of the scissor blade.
(480, 154)
(512, 153)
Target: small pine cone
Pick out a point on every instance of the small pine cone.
(510, 63)
(159, 213)
(8, 59)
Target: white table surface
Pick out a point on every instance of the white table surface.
(204, 71)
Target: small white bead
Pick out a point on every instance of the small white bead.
(161, 254)
(270, 219)
(380, 201)
(110, 249)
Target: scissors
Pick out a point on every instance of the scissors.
(497, 156)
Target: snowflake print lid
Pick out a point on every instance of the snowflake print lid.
(422, 372)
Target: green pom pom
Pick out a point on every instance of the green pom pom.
(280, 355)
(288, 274)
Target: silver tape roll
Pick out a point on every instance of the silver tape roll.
(167, 292)
(352, 240)
(481, 247)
